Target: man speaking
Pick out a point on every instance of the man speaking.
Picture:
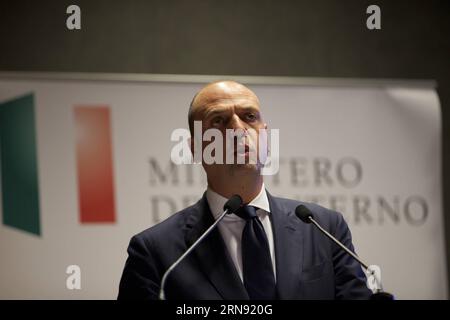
(262, 251)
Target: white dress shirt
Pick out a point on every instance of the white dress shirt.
(231, 226)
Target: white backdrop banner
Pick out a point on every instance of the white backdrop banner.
(372, 153)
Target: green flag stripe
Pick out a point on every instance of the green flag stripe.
(18, 161)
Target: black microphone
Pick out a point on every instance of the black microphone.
(231, 206)
(304, 214)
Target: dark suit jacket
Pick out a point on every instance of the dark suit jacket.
(308, 265)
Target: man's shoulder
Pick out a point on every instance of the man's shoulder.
(174, 227)
(171, 227)
(321, 214)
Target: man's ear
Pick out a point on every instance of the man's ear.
(191, 145)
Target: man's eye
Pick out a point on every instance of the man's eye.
(217, 121)
(251, 116)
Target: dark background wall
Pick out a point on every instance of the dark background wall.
(284, 38)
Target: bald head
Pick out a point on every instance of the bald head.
(216, 93)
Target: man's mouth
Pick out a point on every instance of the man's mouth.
(245, 150)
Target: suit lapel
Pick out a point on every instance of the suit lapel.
(288, 242)
(212, 255)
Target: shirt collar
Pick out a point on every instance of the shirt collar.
(216, 201)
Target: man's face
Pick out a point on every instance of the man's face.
(229, 105)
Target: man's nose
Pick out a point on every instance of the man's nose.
(236, 123)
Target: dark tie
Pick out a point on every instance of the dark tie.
(259, 279)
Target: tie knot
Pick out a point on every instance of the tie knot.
(246, 212)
